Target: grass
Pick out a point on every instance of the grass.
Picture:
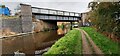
(104, 43)
(68, 45)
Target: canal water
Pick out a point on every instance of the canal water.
(28, 43)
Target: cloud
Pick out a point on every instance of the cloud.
(45, 0)
(65, 6)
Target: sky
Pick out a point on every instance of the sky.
(66, 5)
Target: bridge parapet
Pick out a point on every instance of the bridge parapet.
(54, 12)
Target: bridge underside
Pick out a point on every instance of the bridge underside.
(60, 18)
(49, 21)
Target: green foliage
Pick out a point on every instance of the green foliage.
(9, 17)
(103, 17)
(68, 45)
(2, 6)
(104, 43)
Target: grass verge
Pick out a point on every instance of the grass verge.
(68, 45)
(104, 43)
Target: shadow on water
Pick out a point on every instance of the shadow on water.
(29, 43)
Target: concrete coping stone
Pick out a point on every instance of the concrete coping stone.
(20, 34)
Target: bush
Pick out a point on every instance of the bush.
(70, 44)
(105, 17)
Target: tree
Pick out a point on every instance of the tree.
(104, 17)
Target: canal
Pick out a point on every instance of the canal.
(28, 43)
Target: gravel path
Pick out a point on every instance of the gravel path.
(85, 45)
(89, 48)
(95, 47)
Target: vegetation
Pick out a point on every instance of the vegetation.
(61, 26)
(69, 45)
(104, 43)
(2, 6)
(64, 25)
(9, 17)
(105, 17)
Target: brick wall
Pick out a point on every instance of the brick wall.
(13, 24)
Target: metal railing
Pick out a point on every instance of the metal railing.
(54, 12)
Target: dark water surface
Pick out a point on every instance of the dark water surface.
(29, 43)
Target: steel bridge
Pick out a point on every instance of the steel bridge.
(50, 16)
(58, 15)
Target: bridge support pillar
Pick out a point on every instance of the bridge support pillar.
(26, 18)
(70, 25)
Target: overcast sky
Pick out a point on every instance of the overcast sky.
(67, 5)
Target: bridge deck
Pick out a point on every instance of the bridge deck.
(50, 14)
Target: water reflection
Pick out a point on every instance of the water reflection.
(29, 43)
